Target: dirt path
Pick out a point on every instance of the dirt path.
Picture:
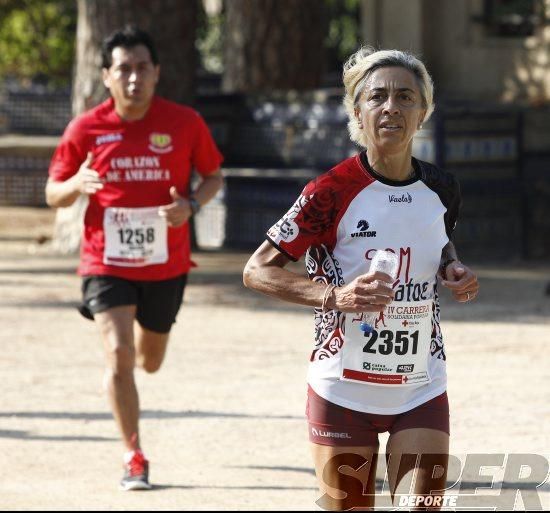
(223, 421)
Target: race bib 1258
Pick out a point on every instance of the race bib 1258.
(134, 237)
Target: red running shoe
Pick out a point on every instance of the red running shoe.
(136, 473)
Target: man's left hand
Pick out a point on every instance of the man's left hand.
(461, 280)
(177, 212)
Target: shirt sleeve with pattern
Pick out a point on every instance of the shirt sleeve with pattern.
(308, 222)
(314, 217)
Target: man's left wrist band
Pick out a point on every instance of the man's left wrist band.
(195, 206)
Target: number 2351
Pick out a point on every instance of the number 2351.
(387, 344)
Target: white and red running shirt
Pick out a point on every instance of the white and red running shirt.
(138, 161)
(339, 221)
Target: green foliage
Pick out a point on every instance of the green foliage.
(210, 40)
(344, 32)
(37, 38)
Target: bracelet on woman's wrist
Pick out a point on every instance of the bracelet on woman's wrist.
(326, 296)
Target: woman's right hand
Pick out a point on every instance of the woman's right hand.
(366, 293)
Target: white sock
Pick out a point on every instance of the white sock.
(129, 455)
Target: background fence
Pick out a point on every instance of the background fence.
(274, 146)
(482, 148)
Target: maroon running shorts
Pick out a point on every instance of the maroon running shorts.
(330, 424)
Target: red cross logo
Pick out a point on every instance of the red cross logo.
(405, 323)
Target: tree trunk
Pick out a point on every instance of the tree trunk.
(273, 44)
(172, 25)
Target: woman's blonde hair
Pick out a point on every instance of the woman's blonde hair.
(360, 66)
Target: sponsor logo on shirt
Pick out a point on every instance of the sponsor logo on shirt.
(286, 229)
(378, 367)
(363, 227)
(160, 143)
(107, 138)
(403, 198)
(406, 367)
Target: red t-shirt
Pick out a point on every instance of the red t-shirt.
(139, 161)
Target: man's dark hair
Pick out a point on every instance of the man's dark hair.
(128, 37)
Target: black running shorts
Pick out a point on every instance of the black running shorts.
(157, 302)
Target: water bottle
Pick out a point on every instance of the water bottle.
(386, 262)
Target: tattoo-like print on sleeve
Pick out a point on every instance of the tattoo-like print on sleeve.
(322, 267)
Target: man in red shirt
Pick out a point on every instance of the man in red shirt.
(133, 156)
